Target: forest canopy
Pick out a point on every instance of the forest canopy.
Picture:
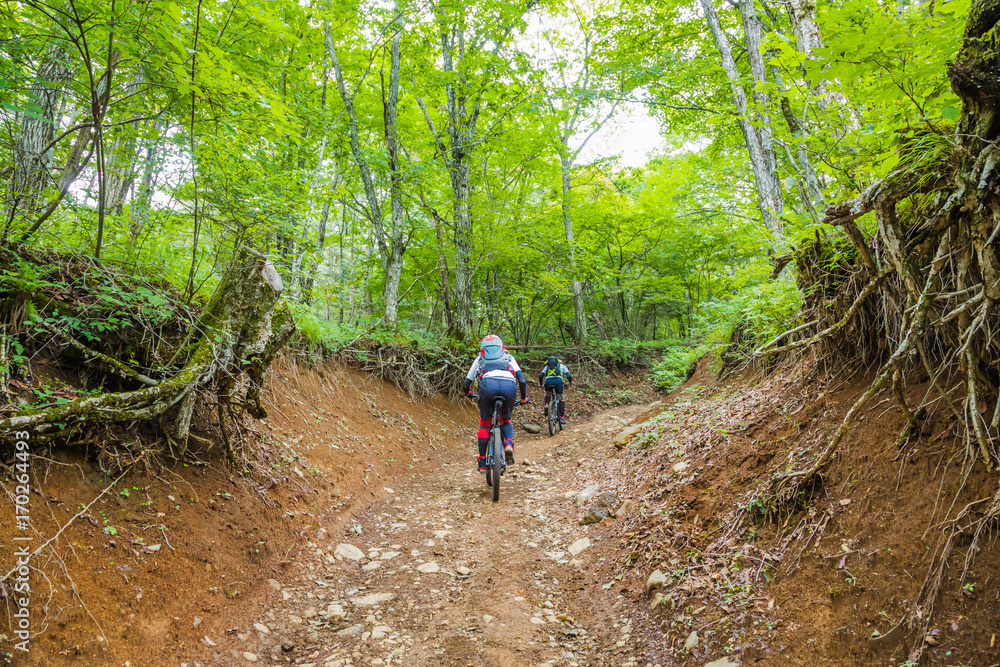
(423, 168)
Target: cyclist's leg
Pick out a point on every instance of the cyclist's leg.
(550, 403)
(557, 388)
(485, 418)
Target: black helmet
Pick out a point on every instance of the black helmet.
(553, 362)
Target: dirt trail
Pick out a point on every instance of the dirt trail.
(444, 576)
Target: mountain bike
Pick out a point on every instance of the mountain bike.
(496, 462)
(552, 411)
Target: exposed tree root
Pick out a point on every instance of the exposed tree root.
(416, 372)
(767, 350)
(917, 297)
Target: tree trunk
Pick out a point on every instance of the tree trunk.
(342, 270)
(758, 70)
(33, 150)
(580, 315)
(811, 187)
(461, 129)
(443, 269)
(310, 280)
(391, 253)
(121, 161)
(802, 15)
(463, 248)
(142, 199)
(765, 179)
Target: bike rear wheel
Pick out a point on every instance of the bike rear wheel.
(553, 414)
(498, 455)
(553, 411)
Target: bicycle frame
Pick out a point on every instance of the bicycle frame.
(491, 446)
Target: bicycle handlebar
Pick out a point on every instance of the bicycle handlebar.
(516, 402)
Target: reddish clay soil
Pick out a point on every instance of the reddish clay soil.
(813, 583)
(169, 542)
(368, 538)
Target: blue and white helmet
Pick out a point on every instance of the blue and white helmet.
(492, 347)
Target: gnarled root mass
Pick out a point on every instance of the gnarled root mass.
(419, 372)
(919, 292)
(915, 297)
(240, 331)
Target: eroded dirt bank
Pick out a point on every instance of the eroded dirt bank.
(158, 556)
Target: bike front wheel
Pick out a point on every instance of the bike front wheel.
(490, 455)
(497, 464)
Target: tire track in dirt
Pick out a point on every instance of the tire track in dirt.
(439, 575)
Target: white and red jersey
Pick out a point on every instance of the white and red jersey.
(503, 368)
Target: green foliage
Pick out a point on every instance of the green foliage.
(672, 369)
(248, 141)
(27, 277)
(758, 314)
(317, 331)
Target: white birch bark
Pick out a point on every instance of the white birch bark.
(758, 70)
(802, 16)
(393, 255)
(122, 159)
(764, 179)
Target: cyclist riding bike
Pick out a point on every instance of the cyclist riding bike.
(552, 377)
(499, 376)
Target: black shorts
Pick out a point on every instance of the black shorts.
(491, 388)
(555, 384)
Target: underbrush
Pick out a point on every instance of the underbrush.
(624, 353)
(759, 314)
(112, 326)
(427, 364)
(678, 363)
(730, 329)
